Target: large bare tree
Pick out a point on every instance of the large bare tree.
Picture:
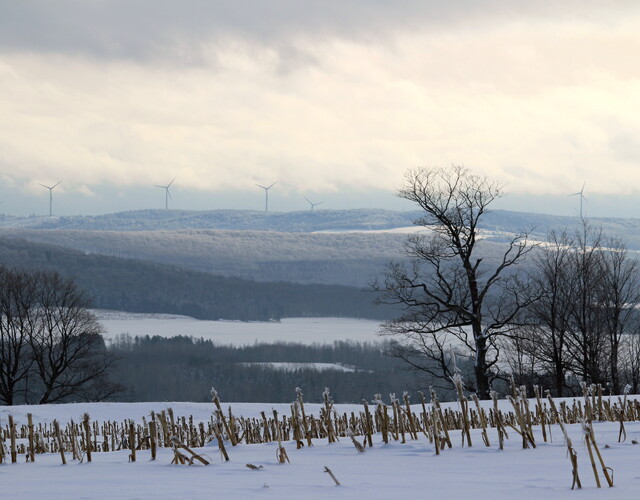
(450, 296)
(17, 307)
(68, 350)
(51, 345)
(619, 299)
(552, 312)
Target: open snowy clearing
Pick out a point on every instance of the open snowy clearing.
(299, 330)
(291, 367)
(393, 470)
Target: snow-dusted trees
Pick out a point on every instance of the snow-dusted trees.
(585, 322)
(50, 343)
(447, 292)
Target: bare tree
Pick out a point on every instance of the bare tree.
(68, 350)
(551, 313)
(520, 354)
(619, 301)
(17, 304)
(447, 293)
(630, 357)
(586, 340)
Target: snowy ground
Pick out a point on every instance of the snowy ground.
(290, 367)
(396, 470)
(300, 330)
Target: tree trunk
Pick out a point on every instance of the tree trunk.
(615, 377)
(559, 376)
(482, 377)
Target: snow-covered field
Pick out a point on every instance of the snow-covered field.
(393, 471)
(290, 367)
(300, 330)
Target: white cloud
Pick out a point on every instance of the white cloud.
(540, 102)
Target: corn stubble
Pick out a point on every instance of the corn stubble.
(392, 421)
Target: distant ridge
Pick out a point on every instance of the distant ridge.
(308, 221)
(300, 222)
(169, 220)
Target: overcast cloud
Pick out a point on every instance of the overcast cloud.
(322, 96)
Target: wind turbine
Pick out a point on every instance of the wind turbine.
(266, 195)
(313, 205)
(582, 197)
(167, 194)
(50, 188)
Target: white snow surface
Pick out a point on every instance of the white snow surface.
(299, 330)
(391, 471)
(291, 367)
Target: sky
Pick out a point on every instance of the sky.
(334, 100)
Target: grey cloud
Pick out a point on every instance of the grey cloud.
(152, 29)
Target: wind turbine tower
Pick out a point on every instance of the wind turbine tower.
(167, 194)
(50, 188)
(313, 205)
(582, 197)
(266, 195)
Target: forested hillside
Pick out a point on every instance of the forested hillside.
(241, 220)
(348, 259)
(139, 286)
(184, 369)
(307, 221)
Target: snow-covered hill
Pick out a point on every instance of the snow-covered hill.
(495, 222)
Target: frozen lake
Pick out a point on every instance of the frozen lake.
(300, 330)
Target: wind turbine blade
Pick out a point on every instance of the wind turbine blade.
(272, 185)
(583, 185)
(320, 203)
(171, 183)
(56, 184)
(163, 187)
(44, 186)
(308, 200)
(261, 186)
(169, 193)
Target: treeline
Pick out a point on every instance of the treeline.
(585, 322)
(184, 369)
(145, 287)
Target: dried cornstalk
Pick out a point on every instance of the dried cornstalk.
(328, 406)
(541, 412)
(426, 429)
(368, 424)
(483, 421)
(307, 431)
(87, 433)
(56, 430)
(216, 401)
(181, 457)
(435, 403)
(328, 471)
(31, 453)
(217, 429)
(281, 453)
(498, 419)
(356, 443)
(132, 442)
(591, 441)
(464, 408)
(153, 434)
(573, 456)
(12, 437)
